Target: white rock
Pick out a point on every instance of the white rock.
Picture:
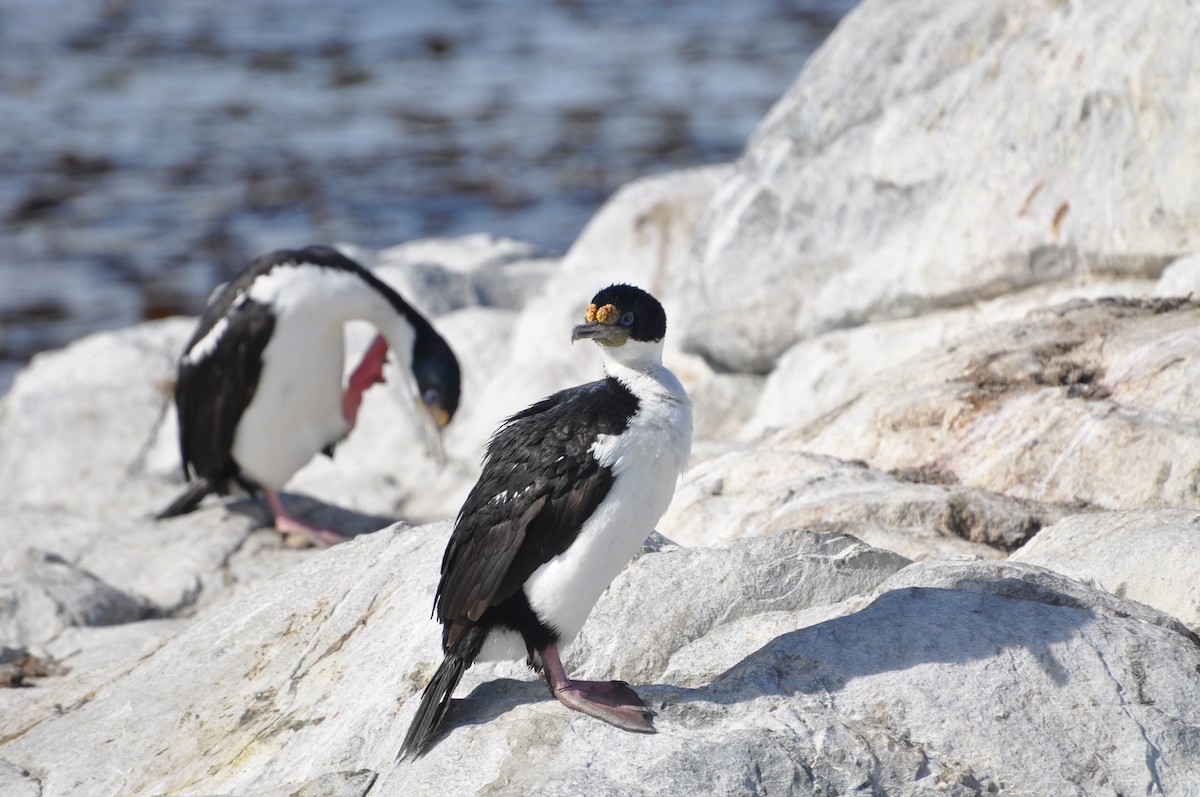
(17, 782)
(787, 572)
(935, 153)
(55, 529)
(77, 425)
(644, 233)
(1089, 402)
(642, 236)
(721, 403)
(466, 254)
(1151, 556)
(818, 375)
(971, 676)
(81, 660)
(240, 685)
(765, 489)
(41, 594)
(1181, 278)
(439, 275)
(182, 563)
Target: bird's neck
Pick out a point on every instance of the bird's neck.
(638, 365)
(400, 336)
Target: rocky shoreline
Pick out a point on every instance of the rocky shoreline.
(940, 533)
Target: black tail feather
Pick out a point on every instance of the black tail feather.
(188, 500)
(435, 700)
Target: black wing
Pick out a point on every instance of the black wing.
(540, 483)
(212, 392)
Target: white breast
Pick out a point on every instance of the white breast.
(646, 460)
(297, 408)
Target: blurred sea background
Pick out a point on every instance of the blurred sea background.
(148, 149)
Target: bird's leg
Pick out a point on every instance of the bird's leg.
(295, 530)
(369, 372)
(612, 701)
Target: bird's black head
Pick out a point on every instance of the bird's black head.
(620, 313)
(438, 378)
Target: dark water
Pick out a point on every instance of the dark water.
(149, 148)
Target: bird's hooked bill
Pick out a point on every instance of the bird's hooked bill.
(606, 334)
(432, 430)
(410, 396)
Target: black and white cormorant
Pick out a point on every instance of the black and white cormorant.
(570, 489)
(259, 390)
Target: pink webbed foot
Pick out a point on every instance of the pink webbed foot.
(613, 702)
(297, 533)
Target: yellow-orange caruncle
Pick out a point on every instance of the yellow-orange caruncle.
(607, 314)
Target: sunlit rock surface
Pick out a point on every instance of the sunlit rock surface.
(933, 154)
(938, 531)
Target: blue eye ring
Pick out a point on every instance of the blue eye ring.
(431, 397)
(627, 319)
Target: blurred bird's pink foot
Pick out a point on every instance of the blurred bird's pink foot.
(297, 533)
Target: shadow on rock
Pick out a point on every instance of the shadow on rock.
(908, 628)
(491, 700)
(347, 522)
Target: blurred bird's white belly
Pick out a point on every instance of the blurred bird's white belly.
(297, 408)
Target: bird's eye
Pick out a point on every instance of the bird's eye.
(431, 397)
(627, 320)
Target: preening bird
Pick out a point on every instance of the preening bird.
(569, 491)
(259, 389)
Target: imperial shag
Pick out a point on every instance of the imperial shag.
(259, 389)
(570, 489)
